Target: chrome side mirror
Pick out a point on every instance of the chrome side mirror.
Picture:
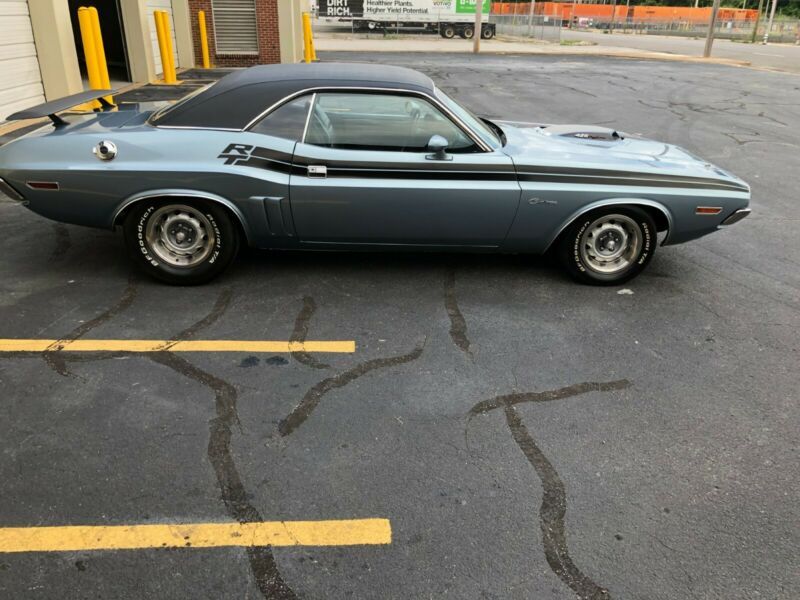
(437, 146)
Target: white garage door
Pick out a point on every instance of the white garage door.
(20, 78)
(152, 6)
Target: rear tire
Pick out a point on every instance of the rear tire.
(467, 32)
(608, 246)
(181, 242)
(448, 32)
(487, 33)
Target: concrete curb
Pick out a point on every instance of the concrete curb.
(502, 47)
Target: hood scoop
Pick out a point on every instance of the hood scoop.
(583, 132)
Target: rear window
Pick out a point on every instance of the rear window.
(162, 112)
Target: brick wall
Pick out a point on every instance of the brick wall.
(269, 50)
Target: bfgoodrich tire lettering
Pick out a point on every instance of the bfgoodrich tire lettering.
(608, 246)
(181, 242)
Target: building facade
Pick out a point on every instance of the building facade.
(41, 54)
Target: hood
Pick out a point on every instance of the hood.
(592, 146)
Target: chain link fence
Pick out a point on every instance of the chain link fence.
(786, 31)
(539, 27)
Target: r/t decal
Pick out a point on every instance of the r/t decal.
(236, 153)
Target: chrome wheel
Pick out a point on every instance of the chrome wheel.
(610, 244)
(180, 235)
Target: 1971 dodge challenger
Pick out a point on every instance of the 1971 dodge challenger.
(353, 156)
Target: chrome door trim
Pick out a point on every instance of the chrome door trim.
(348, 89)
(308, 117)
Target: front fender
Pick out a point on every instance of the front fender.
(613, 202)
(547, 209)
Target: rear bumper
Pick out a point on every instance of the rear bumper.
(736, 216)
(5, 188)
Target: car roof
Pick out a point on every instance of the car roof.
(238, 98)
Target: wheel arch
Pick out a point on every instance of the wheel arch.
(238, 218)
(660, 213)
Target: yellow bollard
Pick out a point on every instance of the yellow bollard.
(90, 52)
(308, 41)
(102, 65)
(162, 43)
(89, 49)
(161, 33)
(201, 18)
(311, 40)
(170, 52)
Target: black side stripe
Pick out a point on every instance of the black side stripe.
(283, 162)
(676, 182)
(639, 175)
(427, 167)
(426, 174)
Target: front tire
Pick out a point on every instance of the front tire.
(608, 246)
(181, 242)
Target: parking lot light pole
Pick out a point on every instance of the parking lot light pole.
(711, 24)
(476, 35)
(769, 24)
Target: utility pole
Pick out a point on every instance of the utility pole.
(613, 16)
(758, 18)
(771, 19)
(476, 36)
(530, 17)
(627, 15)
(711, 24)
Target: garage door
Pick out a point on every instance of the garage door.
(20, 79)
(152, 6)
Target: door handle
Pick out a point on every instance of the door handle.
(318, 171)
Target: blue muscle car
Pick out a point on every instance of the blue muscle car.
(346, 156)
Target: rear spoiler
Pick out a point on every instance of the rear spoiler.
(49, 109)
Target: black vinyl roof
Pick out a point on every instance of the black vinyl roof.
(238, 98)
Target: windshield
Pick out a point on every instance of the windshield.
(478, 126)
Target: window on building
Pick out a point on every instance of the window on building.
(235, 29)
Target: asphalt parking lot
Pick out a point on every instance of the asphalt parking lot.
(524, 436)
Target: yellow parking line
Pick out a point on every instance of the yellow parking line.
(81, 345)
(350, 532)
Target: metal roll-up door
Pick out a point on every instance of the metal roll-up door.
(165, 5)
(235, 28)
(20, 80)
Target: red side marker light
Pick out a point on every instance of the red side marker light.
(708, 210)
(42, 185)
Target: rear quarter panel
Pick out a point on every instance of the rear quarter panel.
(149, 161)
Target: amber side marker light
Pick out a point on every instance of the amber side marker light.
(42, 185)
(708, 210)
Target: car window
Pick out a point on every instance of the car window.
(287, 121)
(381, 122)
(485, 133)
